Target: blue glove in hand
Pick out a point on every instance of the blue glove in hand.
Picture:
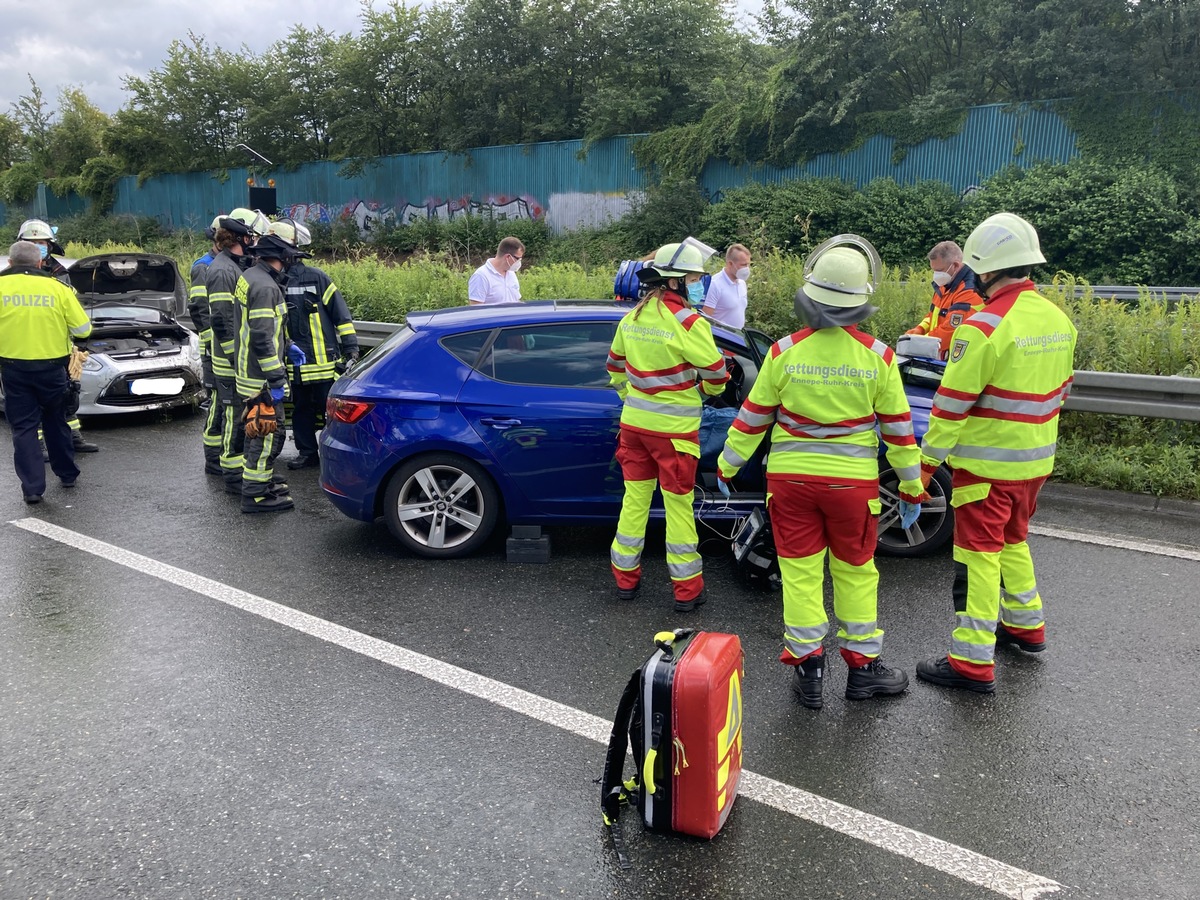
(277, 394)
(723, 487)
(908, 514)
(296, 355)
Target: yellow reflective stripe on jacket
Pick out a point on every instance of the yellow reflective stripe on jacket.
(1010, 369)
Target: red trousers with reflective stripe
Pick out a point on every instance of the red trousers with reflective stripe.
(645, 459)
(808, 518)
(993, 532)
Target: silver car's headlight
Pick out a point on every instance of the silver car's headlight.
(92, 364)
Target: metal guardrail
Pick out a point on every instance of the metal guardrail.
(1128, 292)
(1114, 393)
(1154, 396)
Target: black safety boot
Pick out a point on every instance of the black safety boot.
(278, 478)
(266, 503)
(1006, 638)
(874, 678)
(807, 680)
(629, 593)
(304, 462)
(212, 465)
(278, 490)
(689, 605)
(80, 445)
(939, 671)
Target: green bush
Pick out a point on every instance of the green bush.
(666, 213)
(1113, 224)
(18, 185)
(904, 221)
(793, 217)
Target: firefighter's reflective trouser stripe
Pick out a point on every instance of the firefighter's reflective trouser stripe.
(647, 460)
(214, 430)
(808, 519)
(993, 570)
(260, 456)
(233, 437)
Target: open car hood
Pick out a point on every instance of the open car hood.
(130, 280)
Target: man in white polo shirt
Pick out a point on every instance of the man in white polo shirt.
(496, 280)
(726, 297)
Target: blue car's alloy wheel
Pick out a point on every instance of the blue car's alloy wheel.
(933, 527)
(441, 505)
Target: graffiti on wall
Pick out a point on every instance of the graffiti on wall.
(370, 214)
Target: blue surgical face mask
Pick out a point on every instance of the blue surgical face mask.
(696, 293)
(43, 250)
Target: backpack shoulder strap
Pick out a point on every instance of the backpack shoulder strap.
(613, 789)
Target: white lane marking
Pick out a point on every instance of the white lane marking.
(935, 853)
(1108, 540)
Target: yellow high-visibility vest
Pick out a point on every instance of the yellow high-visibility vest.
(1010, 369)
(38, 316)
(827, 396)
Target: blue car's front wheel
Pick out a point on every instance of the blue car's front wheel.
(933, 528)
(441, 505)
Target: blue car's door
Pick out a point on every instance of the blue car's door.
(539, 402)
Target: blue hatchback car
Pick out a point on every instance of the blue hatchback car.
(467, 418)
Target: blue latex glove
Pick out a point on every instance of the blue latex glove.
(277, 394)
(723, 487)
(908, 514)
(296, 355)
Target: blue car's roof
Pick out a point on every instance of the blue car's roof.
(466, 318)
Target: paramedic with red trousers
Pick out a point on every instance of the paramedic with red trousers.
(995, 423)
(822, 393)
(663, 362)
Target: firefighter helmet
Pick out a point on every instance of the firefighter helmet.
(242, 221)
(1001, 242)
(272, 246)
(842, 272)
(36, 230)
(295, 233)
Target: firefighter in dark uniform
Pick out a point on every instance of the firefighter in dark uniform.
(198, 311)
(45, 237)
(319, 323)
(261, 347)
(236, 234)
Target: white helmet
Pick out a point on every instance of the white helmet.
(842, 272)
(36, 230)
(295, 233)
(1000, 242)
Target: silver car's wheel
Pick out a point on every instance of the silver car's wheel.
(933, 527)
(441, 505)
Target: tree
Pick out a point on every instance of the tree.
(34, 119)
(12, 141)
(77, 135)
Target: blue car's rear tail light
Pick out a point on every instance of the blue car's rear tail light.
(348, 411)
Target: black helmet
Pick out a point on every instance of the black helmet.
(272, 246)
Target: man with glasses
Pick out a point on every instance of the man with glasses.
(496, 280)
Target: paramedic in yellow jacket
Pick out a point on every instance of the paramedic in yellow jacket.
(663, 362)
(822, 393)
(995, 423)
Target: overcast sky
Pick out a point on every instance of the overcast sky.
(93, 44)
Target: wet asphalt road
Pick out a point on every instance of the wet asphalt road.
(158, 743)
